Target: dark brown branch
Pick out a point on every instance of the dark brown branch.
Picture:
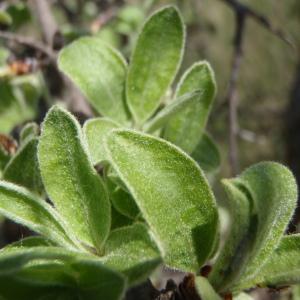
(242, 12)
(232, 94)
(259, 18)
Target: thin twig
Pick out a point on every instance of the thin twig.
(28, 42)
(260, 19)
(232, 95)
(242, 12)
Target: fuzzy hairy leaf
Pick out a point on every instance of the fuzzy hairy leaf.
(30, 130)
(12, 289)
(186, 128)
(283, 266)
(94, 131)
(171, 110)
(161, 177)
(83, 273)
(273, 190)
(100, 73)
(205, 290)
(23, 168)
(23, 207)
(32, 241)
(154, 62)
(233, 255)
(131, 250)
(70, 179)
(207, 154)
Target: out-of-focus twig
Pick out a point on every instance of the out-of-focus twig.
(28, 42)
(50, 29)
(46, 20)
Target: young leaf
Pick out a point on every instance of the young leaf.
(23, 207)
(118, 220)
(100, 72)
(94, 131)
(154, 62)
(70, 179)
(186, 128)
(172, 194)
(205, 290)
(23, 168)
(30, 130)
(131, 251)
(283, 267)
(207, 154)
(124, 203)
(171, 110)
(274, 192)
(233, 256)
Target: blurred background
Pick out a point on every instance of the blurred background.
(268, 84)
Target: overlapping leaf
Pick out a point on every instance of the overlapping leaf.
(233, 256)
(100, 72)
(23, 168)
(70, 179)
(207, 154)
(131, 251)
(95, 131)
(154, 62)
(283, 266)
(50, 266)
(273, 190)
(186, 128)
(172, 194)
(23, 207)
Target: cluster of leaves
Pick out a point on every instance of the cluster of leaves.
(150, 203)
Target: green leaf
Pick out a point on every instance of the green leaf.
(154, 62)
(23, 207)
(32, 241)
(124, 203)
(207, 154)
(5, 18)
(233, 256)
(131, 250)
(283, 266)
(100, 72)
(274, 192)
(172, 194)
(186, 128)
(205, 290)
(29, 131)
(12, 289)
(171, 110)
(71, 181)
(118, 220)
(94, 131)
(15, 108)
(86, 274)
(23, 168)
